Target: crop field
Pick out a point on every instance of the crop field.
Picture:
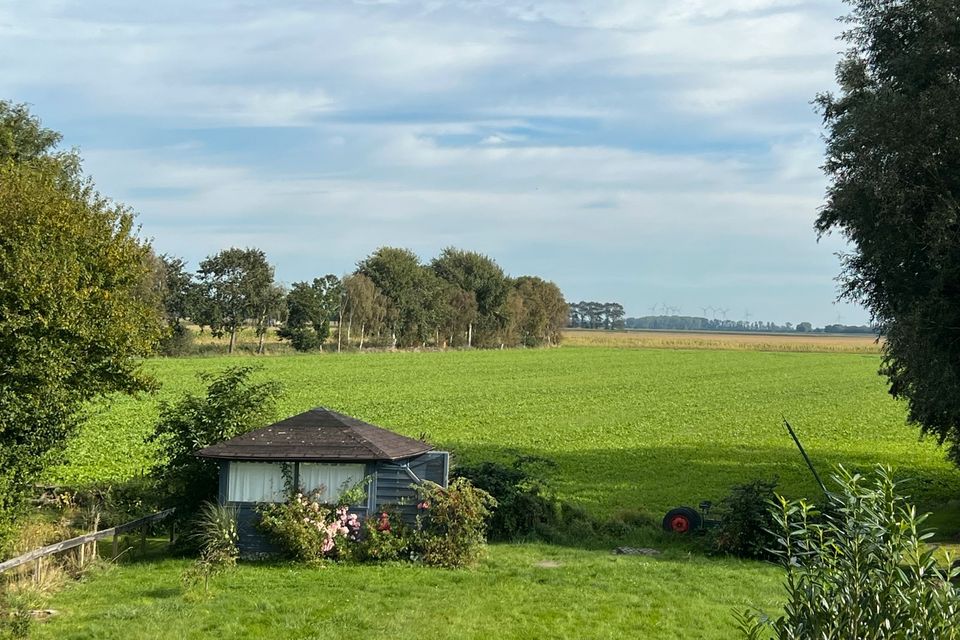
(794, 342)
(630, 429)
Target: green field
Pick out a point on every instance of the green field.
(630, 429)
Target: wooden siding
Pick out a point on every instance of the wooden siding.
(390, 487)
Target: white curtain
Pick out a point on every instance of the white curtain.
(332, 478)
(255, 482)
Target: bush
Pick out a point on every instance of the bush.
(383, 539)
(859, 569)
(216, 535)
(310, 530)
(452, 524)
(746, 521)
(523, 508)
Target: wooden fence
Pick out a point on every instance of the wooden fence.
(38, 555)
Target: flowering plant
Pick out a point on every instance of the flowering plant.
(308, 529)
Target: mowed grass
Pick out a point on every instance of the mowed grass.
(629, 428)
(520, 591)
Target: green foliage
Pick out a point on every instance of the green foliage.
(215, 534)
(235, 286)
(542, 311)
(893, 156)
(398, 274)
(523, 510)
(704, 420)
(76, 314)
(745, 520)
(479, 292)
(16, 620)
(232, 405)
(309, 530)
(860, 569)
(310, 308)
(380, 544)
(453, 523)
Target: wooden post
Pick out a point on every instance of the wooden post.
(38, 570)
(80, 555)
(143, 540)
(116, 544)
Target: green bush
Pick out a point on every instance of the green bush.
(309, 530)
(859, 569)
(383, 539)
(453, 523)
(215, 533)
(746, 521)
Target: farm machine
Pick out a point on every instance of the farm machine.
(685, 520)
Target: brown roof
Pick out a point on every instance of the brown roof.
(318, 435)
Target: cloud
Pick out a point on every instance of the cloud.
(615, 142)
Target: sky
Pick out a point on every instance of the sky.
(639, 151)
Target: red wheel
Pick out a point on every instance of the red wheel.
(679, 524)
(682, 520)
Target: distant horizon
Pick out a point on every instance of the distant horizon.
(633, 150)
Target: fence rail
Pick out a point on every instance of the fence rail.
(79, 541)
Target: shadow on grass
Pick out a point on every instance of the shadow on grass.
(650, 480)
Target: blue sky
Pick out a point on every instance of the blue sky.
(646, 152)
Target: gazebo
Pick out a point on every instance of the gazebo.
(321, 449)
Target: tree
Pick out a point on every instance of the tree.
(398, 274)
(76, 317)
(544, 311)
(232, 405)
(234, 282)
(480, 275)
(307, 325)
(365, 305)
(893, 158)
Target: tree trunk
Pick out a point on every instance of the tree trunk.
(262, 330)
(393, 338)
(362, 326)
(233, 339)
(349, 327)
(470, 335)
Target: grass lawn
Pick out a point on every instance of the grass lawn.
(578, 594)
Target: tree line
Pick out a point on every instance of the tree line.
(596, 315)
(698, 323)
(458, 299)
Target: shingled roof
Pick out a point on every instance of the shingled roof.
(318, 435)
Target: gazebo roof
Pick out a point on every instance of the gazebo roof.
(317, 435)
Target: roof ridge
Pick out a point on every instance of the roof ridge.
(343, 420)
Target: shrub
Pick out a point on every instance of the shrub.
(746, 520)
(859, 569)
(216, 535)
(383, 539)
(309, 530)
(523, 508)
(453, 522)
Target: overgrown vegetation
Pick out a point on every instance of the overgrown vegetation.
(860, 568)
(215, 534)
(77, 309)
(745, 521)
(450, 529)
(233, 404)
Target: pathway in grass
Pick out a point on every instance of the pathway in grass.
(590, 594)
(630, 429)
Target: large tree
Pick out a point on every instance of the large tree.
(77, 307)
(477, 274)
(235, 283)
(893, 157)
(398, 274)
